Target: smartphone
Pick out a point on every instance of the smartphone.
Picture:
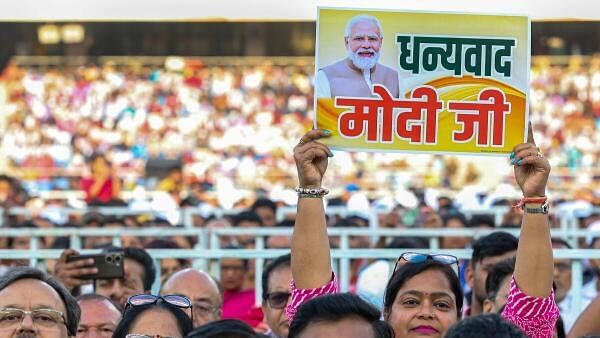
(109, 264)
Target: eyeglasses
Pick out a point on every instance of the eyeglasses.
(42, 318)
(176, 300)
(136, 335)
(203, 309)
(278, 300)
(417, 258)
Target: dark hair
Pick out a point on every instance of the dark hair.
(489, 325)
(286, 223)
(190, 201)
(248, 216)
(478, 220)
(113, 219)
(455, 215)
(560, 328)
(497, 274)
(495, 244)
(131, 314)
(347, 223)
(225, 328)
(143, 258)
(280, 262)
(264, 203)
(22, 225)
(336, 307)
(407, 243)
(97, 155)
(560, 241)
(245, 261)
(161, 243)
(22, 272)
(100, 298)
(4, 177)
(408, 271)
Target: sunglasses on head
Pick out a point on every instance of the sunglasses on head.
(277, 300)
(417, 258)
(175, 300)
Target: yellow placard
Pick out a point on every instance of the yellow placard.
(422, 82)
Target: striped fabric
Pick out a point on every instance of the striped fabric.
(301, 296)
(535, 316)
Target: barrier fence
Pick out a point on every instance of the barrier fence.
(567, 218)
(207, 251)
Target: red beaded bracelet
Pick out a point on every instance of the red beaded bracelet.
(536, 200)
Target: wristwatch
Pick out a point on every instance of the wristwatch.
(543, 209)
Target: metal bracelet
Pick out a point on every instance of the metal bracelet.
(320, 192)
(543, 209)
(309, 196)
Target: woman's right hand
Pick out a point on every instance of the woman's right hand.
(311, 158)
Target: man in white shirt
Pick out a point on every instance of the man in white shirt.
(356, 74)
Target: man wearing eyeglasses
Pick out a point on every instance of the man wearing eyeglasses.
(33, 304)
(201, 289)
(276, 279)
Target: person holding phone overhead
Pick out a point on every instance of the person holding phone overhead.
(138, 274)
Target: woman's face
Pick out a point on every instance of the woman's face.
(155, 322)
(425, 306)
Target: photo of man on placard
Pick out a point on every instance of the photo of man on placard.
(356, 74)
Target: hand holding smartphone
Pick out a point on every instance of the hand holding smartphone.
(75, 270)
(107, 265)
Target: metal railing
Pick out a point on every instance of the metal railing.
(340, 256)
(567, 220)
(207, 251)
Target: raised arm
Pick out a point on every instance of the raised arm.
(311, 260)
(534, 265)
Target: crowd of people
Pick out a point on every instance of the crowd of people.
(229, 128)
(511, 288)
(223, 138)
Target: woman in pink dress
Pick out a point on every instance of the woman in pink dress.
(423, 297)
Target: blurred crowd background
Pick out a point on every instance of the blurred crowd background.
(152, 135)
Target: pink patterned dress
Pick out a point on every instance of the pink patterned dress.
(535, 316)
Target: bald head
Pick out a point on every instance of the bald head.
(201, 289)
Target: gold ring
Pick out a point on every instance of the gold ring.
(301, 142)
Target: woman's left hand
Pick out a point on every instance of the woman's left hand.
(532, 169)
